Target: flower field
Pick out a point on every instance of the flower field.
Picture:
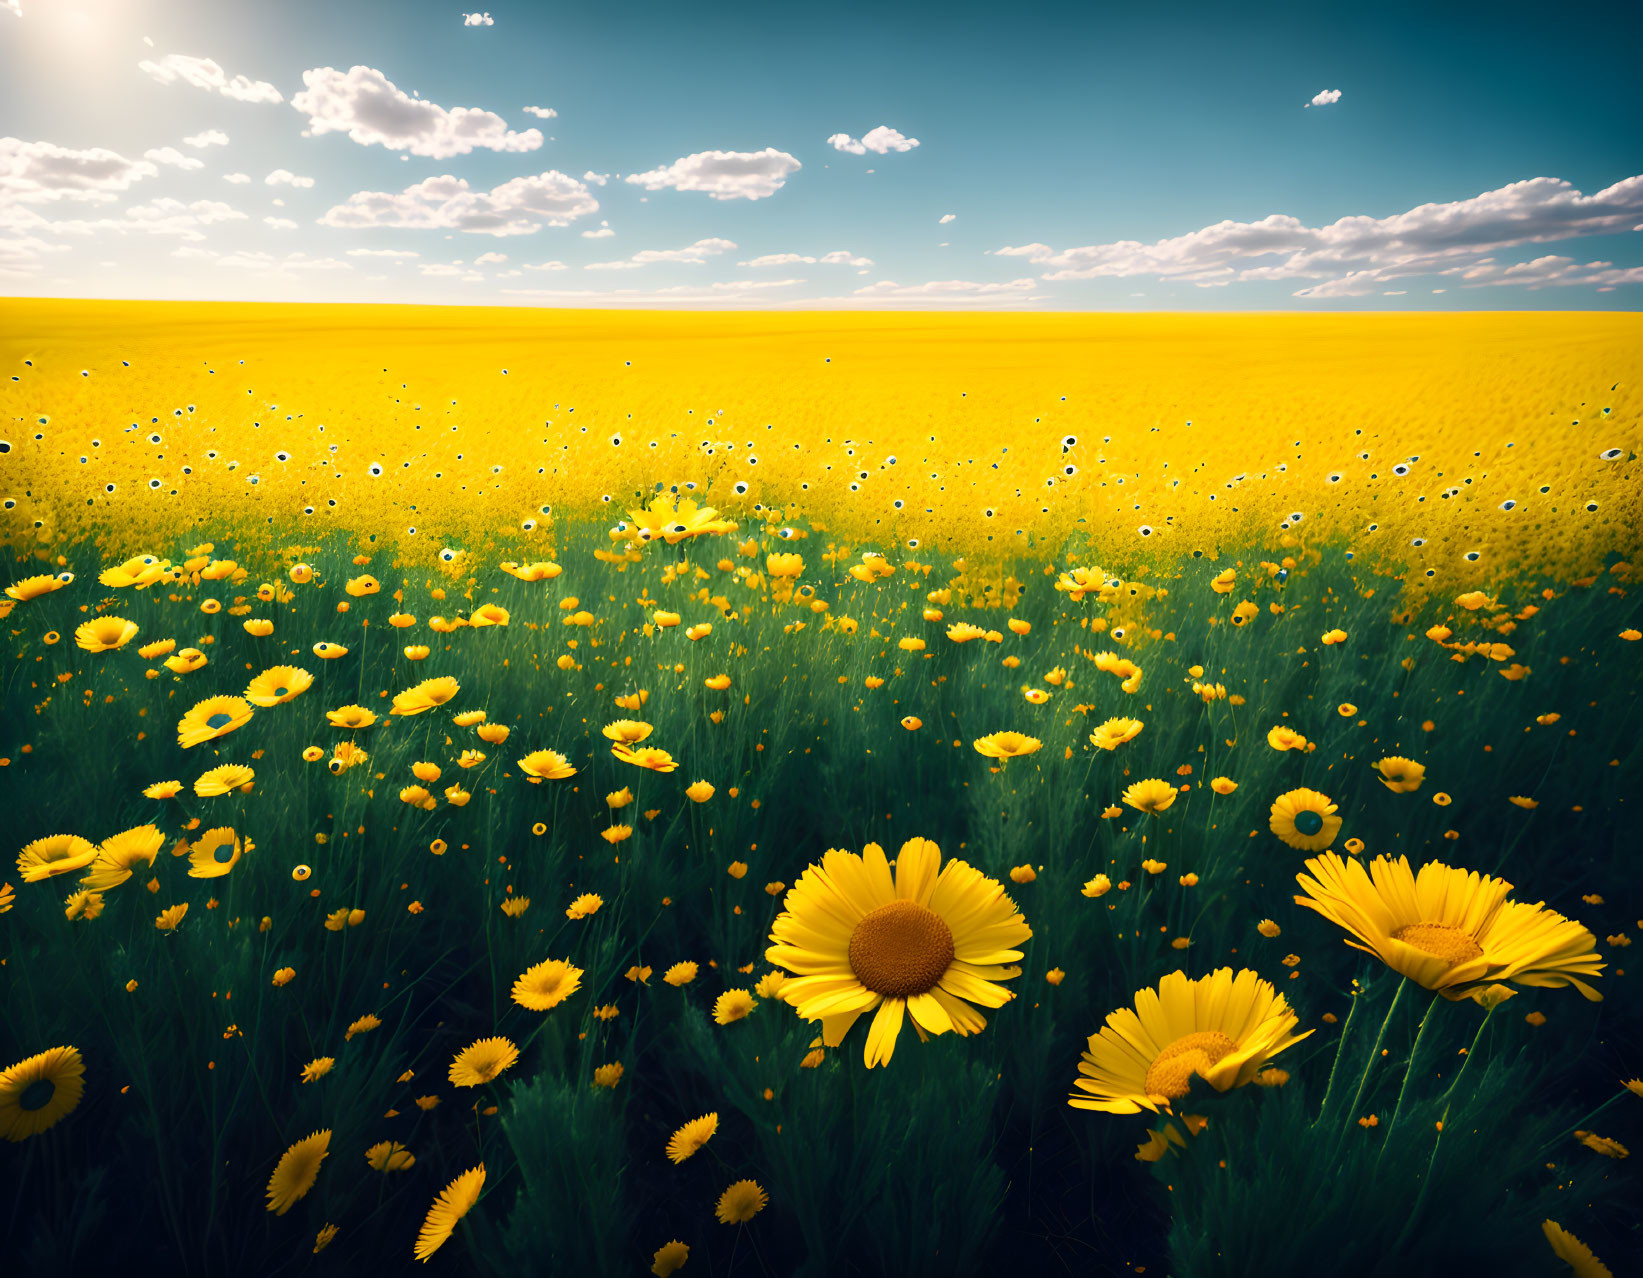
(819, 794)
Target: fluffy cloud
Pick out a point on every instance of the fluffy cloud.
(447, 203)
(486, 259)
(838, 257)
(724, 175)
(274, 264)
(203, 73)
(478, 20)
(595, 179)
(941, 291)
(172, 156)
(880, 141)
(396, 253)
(546, 266)
(1357, 255)
(371, 109)
(211, 137)
(695, 254)
(946, 218)
(164, 216)
(600, 232)
(280, 223)
(238, 179)
(450, 270)
(38, 172)
(1325, 97)
(284, 177)
(681, 294)
(541, 113)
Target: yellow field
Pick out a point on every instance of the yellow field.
(132, 421)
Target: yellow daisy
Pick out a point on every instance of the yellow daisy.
(105, 634)
(40, 1092)
(741, 1202)
(645, 757)
(1006, 745)
(350, 717)
(390, 1156)
(545, 765)
(221, 780)
(1449, 929)
(297, 1170)
(119, 855)
(216, 852)
(627, 731)
(453, 1203)
(277, 684)
(1221, 1028)
(1152, 796)
(546, 985)
(917, 945)
(691, 1137)
(426, 695)
(1400, 775)
(212, 718)
(55, 854)
(1114, 732)
(1305, 819)
(1574, 1253)
(481, 1062)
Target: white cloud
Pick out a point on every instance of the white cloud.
(595, 179)
(24, 255)
(271, 263)
(281, 223)
(37, 172)
(880, 141)
(1325, 97)
(517, 207)
(724, 175)
(203, 73)
(601, 232)
(396, 253)
(946, 218)
(839, 257)
(943, 291)
(1357, 255)
(541, 113)
(1549, 270)
(681, 294)
(371, 109)
(238, 179)
(450, 270)
(172, 156)
(478, 20)
(163, 216)
(695, 254)
(284, 177)
(546, 266)
(211, 137)
(486, 259)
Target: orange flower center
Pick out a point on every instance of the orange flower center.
(1173, 1069)
(901, 949)
(1452, 944)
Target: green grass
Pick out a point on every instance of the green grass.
(962, 1156)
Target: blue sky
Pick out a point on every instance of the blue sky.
(737, 155)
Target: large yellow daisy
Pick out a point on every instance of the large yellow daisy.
(277, 684)
(105, 634)
(1447, 929)
(119, 855)
(39, 1092)
(1221, 1028)
(1006, 745)
(545, 765)
(54, 854)
(454, 1202)
(214, 717)
(216, 853)
(297, 1170)
(426, 695)
(546, 985)
(918, 945)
